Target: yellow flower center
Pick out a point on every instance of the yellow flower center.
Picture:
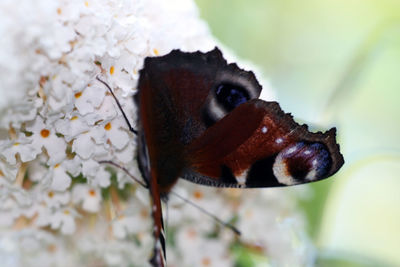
(45, 133)
(206, 261)
(78, 95)
(107, 126)
(198, 194)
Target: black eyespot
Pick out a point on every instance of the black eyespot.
(305, 157)
(230, 96)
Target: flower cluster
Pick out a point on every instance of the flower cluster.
(58, 205)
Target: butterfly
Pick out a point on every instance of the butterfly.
(200, 119)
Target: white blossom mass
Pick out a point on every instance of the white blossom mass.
(58, 205)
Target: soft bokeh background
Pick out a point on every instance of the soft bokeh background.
(334, 63)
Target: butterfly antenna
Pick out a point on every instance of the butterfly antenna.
(119, 105)
(226, 224)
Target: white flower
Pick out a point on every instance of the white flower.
(126, 154)
(102, 178)
(22, 147)
(56, 199)
(122, 226)
(65, 220)
(90, 98)
(90, 168)
(8, 171)
(135, 219)
(106, 111)
(57, 218)
(88, 196)
(276, 230)
(45, 136)
(73, 166)
(12, 200)
(83, 145)
(197, 250)
(60, 179)
(72, 126)
(55, 177)
(114, 133)
(18, 195)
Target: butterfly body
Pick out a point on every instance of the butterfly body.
(200, 119)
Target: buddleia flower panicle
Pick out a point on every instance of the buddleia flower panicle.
(58, 205)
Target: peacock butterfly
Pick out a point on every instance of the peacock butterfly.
(200, 119)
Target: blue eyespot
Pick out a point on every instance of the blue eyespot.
(230, 96)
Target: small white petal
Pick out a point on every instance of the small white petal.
(91, 97)
(61, 180)
(102, 178)
(55, 147)
(83, 146)
(90, 167)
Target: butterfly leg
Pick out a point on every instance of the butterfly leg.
(144, 184)
(119, 105)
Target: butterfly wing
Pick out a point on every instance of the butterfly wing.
(200, 118)
(258, 145)
(202, 121)
(180, 96)
(175, 107)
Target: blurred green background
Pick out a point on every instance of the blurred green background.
(334, 63)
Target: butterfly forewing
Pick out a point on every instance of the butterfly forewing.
(180, 96)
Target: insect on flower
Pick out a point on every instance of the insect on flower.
(200, 119)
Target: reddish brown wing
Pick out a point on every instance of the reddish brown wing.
(199, 118)
(258, 145)
(177, 103)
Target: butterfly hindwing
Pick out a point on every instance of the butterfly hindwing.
(258, 145)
